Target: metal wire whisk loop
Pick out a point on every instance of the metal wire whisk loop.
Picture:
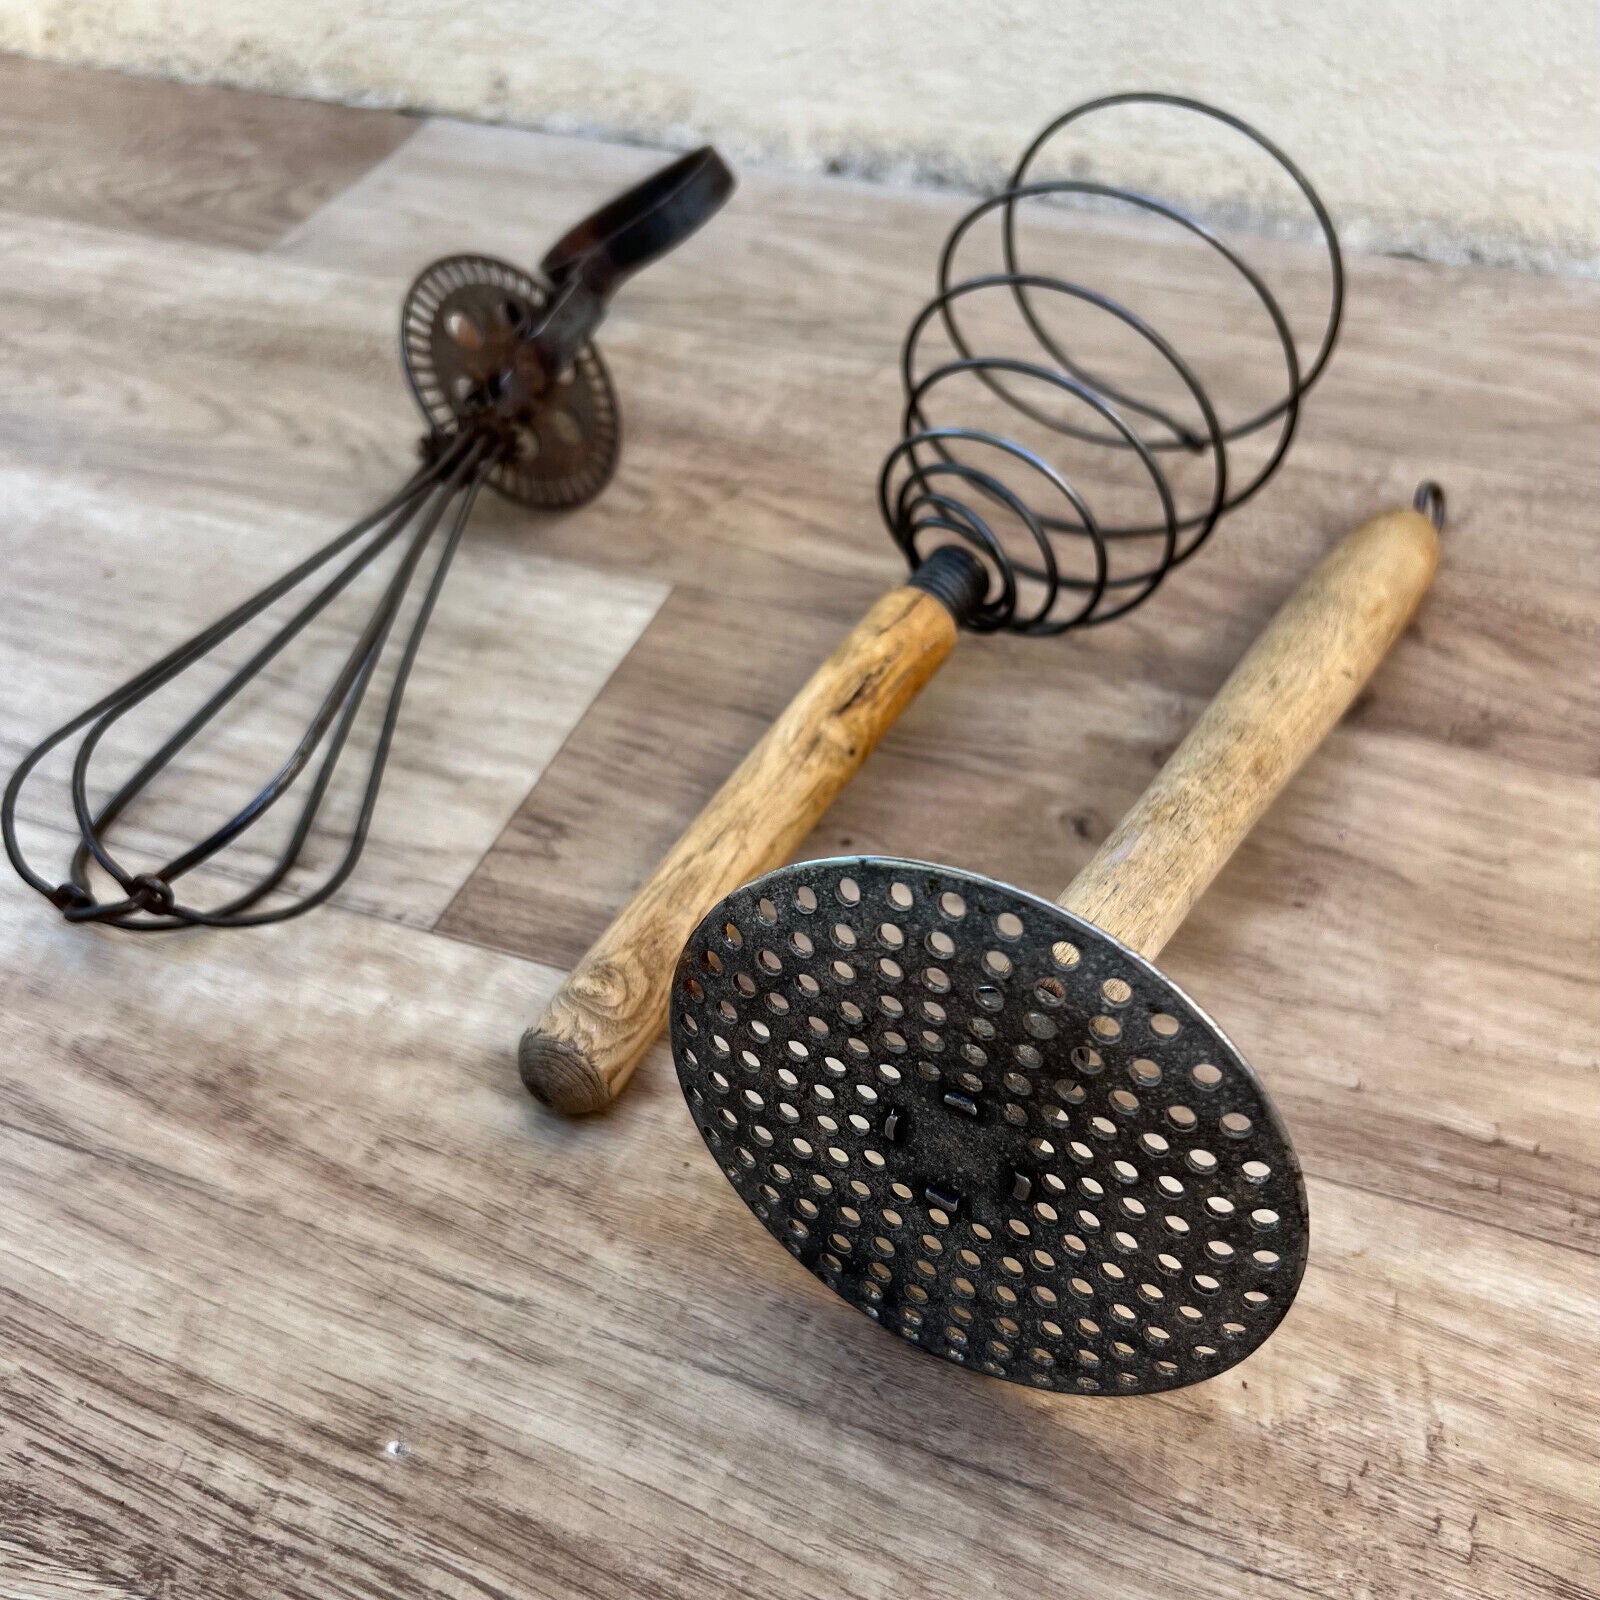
(439, 495)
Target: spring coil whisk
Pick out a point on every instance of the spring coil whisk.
(1004, 497)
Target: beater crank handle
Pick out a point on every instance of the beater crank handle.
(642, 224)
(583, 1049)
(1277, 706)
(591, 261)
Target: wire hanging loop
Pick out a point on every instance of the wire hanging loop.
(1012, 501)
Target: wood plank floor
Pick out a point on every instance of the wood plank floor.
(174, 159)
(301, 1296)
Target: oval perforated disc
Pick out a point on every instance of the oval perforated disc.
(989, 1126)
(463, 337)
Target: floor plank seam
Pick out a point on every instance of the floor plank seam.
(417, 123)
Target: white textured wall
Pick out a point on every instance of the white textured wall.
(1454, 128)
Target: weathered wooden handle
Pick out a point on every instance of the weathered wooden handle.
(602, 1020)
(1277, 706)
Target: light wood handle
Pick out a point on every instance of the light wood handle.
(1277, 706)
(602, 1020)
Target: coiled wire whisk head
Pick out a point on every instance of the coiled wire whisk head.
(1127, 404)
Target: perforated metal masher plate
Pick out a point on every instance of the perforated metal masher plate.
(989, 1126)
(462, 337)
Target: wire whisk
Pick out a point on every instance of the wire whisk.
(502, 366)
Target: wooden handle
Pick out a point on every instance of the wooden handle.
(583, 1049)
(1278, 705)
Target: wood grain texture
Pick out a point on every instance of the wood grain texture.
(1282, 700)
(581, 1052)
(273, 1327)
(176, 160)
(300, 1294)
